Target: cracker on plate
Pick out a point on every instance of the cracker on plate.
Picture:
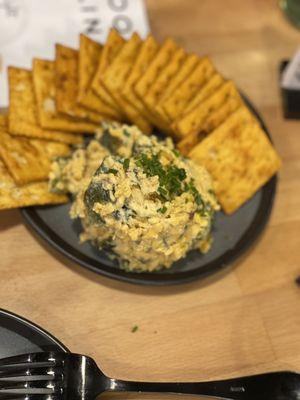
(45, 91)
(175, 105)
(160, 60)
(207, 90)
(29, 160)
(22, 115)
(89, 56)
(145, 56)
(115, 77)
(111, 48)
(240, 158)
(210, 113)
(32, 194)
(66, 85)
(188, 65)
(164, 78)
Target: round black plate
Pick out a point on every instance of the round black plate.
(19, 336)
(233, 235)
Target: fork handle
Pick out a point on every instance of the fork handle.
(270, 386)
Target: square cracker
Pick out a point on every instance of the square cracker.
(33, 194)
(112, 46)
(240, 158)
(22, 115)
(143, 85)
(207, 90)
(66, 85)
(176, 103)
(45, 92)
(161, 60)
(145, 56)
(115, 77)
(164, 78)
(188, 65)
(89, 56)
(210, 113)
(29, 160)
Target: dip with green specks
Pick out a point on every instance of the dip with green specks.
(137, 197)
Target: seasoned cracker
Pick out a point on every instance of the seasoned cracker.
(207, 90)
(161, 59)
(115, 77)
(112, 46)
(164, 78)
(175, 105)
(146, 54)
(240, 158)
(188, 65)
(33, 194)
(22, 116)
(89, 56)
(210, 113)
(29, 160)
(66, 85)
(189, 142)
(45, 92)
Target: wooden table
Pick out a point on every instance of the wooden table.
(244, 321)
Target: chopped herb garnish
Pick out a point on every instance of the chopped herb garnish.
(162, 209)
(170, 177)
(134, 328)
(112, 171)
(126, 133)
(126, 163)
(176, 152)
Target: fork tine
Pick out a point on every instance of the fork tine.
(31, 388)
(28, 358)
(10, 374)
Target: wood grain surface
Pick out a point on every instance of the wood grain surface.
(245, 320)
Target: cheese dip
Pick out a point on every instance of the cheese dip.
(137, 197)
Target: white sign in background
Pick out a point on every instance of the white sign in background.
(30, 28)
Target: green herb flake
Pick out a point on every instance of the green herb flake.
(162, 209)
(112, 171)
(176, 152)
(126, 163)
(126, 133)
(134, 328)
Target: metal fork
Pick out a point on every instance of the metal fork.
(62, 376)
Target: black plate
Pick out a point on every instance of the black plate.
(233, 236)
(19, 336)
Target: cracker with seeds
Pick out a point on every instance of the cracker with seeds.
(175, 105)
(66, 85)
(22, 115)
(29, 160)
(32, 194)
(45, 91)
(89, 56)
(111, 48)
(240, 158)
(210, 113)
